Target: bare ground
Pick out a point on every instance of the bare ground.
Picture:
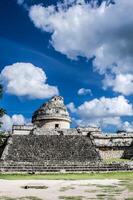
(66, 189)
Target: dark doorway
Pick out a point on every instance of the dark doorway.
(56, 125)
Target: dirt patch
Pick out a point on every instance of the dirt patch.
(66, 189)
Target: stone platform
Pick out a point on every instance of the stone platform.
(54, 153)
(59, 148)
(44, 167)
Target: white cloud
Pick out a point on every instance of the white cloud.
(102, 112)
(106, 107)
(115, 121)
(84, 91)
(92, 34)
(71, 107)
(103, 32)
(25, 79)
(122, 83)
(20, 2)
(100, 122)
(8, 122)
(18, 119)
(127, 126)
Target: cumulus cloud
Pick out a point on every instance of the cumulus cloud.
(102, 112)
(25, 79)
(100, 122)
(127, 126)
(84, 91)
(103, 32)
(8, 122)
(71, 107)
(122, 83)
(92, 34)
(106, 107)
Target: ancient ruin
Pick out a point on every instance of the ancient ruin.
(52, 115)
(49, 144)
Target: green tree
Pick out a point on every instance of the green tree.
(2, 111)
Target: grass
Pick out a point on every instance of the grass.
(69, 176)
(65, 188)
(91, 190)
(101, 195)
(128, 185)
(111, 192)
(116, 160)
(108, 196)
(28, 198)
(129, 198)
(6, 198)
(71, 197)
(21, 198)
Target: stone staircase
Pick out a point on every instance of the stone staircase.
(54, 153)
(60, 167)
(39, 148)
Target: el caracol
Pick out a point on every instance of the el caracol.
(50, 145)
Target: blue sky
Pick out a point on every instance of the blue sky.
(75, 52)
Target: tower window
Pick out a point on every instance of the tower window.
(56, 125)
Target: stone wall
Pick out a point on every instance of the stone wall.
(51, 124)
(59, 148)
(45, 130)
(108, 145)
(114, 145)
(51, 114)
(108, 153)
(113, 139)
(22, 129)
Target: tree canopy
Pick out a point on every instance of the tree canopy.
(2, 111)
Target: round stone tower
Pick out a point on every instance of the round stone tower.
(52, 115)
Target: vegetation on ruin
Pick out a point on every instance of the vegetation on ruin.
(2, 111)
(69, 176)
(116, 160)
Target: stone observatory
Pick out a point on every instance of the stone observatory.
(52, 115)
(50, 145)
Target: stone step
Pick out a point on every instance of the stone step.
(57, 169)
(67, 167)
(58, 165)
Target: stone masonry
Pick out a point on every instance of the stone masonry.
(49, 144)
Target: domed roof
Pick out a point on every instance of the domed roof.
(53, 109)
